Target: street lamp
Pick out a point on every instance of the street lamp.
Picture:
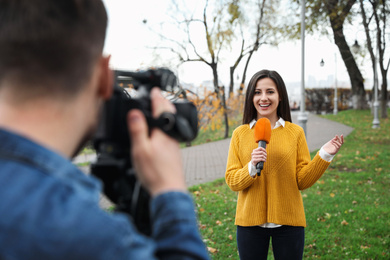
(356, 47)
(335, 101)
(375, 122)
(302, 116)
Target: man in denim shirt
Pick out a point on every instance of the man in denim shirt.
(53, 82)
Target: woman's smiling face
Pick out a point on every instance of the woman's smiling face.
(266, 98)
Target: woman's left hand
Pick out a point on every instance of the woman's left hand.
(333, 146)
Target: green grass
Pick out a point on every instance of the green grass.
(347, 210)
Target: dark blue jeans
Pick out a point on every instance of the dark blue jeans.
(287, 242)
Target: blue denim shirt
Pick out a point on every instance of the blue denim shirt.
(49, 209)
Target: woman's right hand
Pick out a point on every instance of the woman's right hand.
(258, 155)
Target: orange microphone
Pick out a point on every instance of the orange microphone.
(262, 137)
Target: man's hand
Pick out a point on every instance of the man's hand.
(156, 158)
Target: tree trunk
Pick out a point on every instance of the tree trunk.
(221, 96)
(356, 78)
(242, 85)
(231, 85)
(225, 112)
(384, 95)
(233, 68)
(215, 78)
(336, 18)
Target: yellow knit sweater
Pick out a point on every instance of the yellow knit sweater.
(273, 197)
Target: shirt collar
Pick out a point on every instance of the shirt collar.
(278, 123)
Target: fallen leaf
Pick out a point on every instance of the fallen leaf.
(230, 237)
(344, 223)
(218, 222)
(332, 195)
(321, 219)
(212, 250)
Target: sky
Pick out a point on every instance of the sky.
(129, 40)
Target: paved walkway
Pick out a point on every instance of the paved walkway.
(207, 162)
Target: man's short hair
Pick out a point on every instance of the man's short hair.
(50, 46)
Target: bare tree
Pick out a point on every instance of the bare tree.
(216, 35)
(248, 51)
(377, 18)
(263, 28)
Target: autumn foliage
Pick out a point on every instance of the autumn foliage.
(211, 112)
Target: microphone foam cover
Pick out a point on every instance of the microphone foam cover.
(263, 130)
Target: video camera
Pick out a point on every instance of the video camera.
(112, 141)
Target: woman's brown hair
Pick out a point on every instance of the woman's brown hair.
(283, 109)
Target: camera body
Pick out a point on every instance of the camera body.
(112, 141)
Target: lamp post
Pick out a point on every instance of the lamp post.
(375, 122)
(302, 116)
(335, 102)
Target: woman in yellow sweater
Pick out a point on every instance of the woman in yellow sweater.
(270, 205)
